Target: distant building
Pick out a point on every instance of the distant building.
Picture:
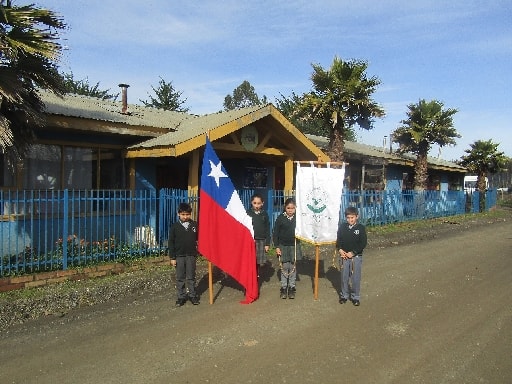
(379, 168)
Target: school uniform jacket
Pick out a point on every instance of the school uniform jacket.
(284, 236)
(351, 239)
(260, 225)
(182, 241)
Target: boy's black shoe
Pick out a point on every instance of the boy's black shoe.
(342, 300)
(291, 293)
(181, 302)
(194, 300)
(283, 293)
(356, 303)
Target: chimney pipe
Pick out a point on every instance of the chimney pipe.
(124, 96)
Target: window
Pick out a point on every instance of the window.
(42, 167)
(78, 168)
(66, 167)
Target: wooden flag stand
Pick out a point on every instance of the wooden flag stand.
(319, 164)
(210, 281)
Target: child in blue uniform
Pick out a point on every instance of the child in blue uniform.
(351, 240)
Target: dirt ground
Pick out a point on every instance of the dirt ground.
(435, 308)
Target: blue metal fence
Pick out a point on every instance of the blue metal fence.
(384, 207)
(43, 230)
(47, 230)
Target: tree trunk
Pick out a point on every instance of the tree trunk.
(420, 173)
(337, 145)
(482, 187)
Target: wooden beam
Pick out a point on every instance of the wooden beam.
(298, 134)
(131, 174)
(263, 141)
(155, 152)
(263, 151)
(228, 147)
(276, 152)
(193, 171)
(81, 144)
(288, 174)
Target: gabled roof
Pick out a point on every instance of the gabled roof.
(354, 148)
(196, 127)
(191, 134)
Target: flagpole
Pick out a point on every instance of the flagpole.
(210, 281)
(317, 256)
(210, 267)
(317, 263)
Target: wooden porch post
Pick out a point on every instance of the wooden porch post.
(288, 174)
(131, 174)
(193, 171)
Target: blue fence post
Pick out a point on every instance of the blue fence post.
(65, 220)
(270, 205)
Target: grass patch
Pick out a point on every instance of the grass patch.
(419, 224)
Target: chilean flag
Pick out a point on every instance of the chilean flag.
(226, 236)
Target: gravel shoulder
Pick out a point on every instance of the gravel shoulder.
(66, 299)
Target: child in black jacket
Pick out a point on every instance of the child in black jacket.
(261, 226)
(350, 242)
(287, 248)
(183, 254)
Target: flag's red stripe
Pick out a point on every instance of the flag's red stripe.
(227, 244)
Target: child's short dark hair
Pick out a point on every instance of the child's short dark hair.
(289, 200)
(351, 211)
(257, 196)
(184, 207)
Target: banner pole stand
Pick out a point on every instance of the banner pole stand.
(317, 262)
(210, 281)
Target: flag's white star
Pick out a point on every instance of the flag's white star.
(216, 172)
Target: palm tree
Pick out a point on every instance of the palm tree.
(288, 106)
(341, 97)
(482, 158)
(28, 52)
(427, 123)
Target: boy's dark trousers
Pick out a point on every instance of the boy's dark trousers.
(186, 276)
(351, 271)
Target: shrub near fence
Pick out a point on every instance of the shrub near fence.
(44, 230)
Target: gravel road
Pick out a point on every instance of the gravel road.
(435, 308)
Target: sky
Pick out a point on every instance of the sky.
(458, 52)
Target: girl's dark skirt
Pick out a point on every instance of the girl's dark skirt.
(261, 255)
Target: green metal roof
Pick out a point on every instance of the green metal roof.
(383, 153)
(195, 127)
(72, 105)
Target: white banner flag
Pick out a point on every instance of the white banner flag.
(318, 198)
